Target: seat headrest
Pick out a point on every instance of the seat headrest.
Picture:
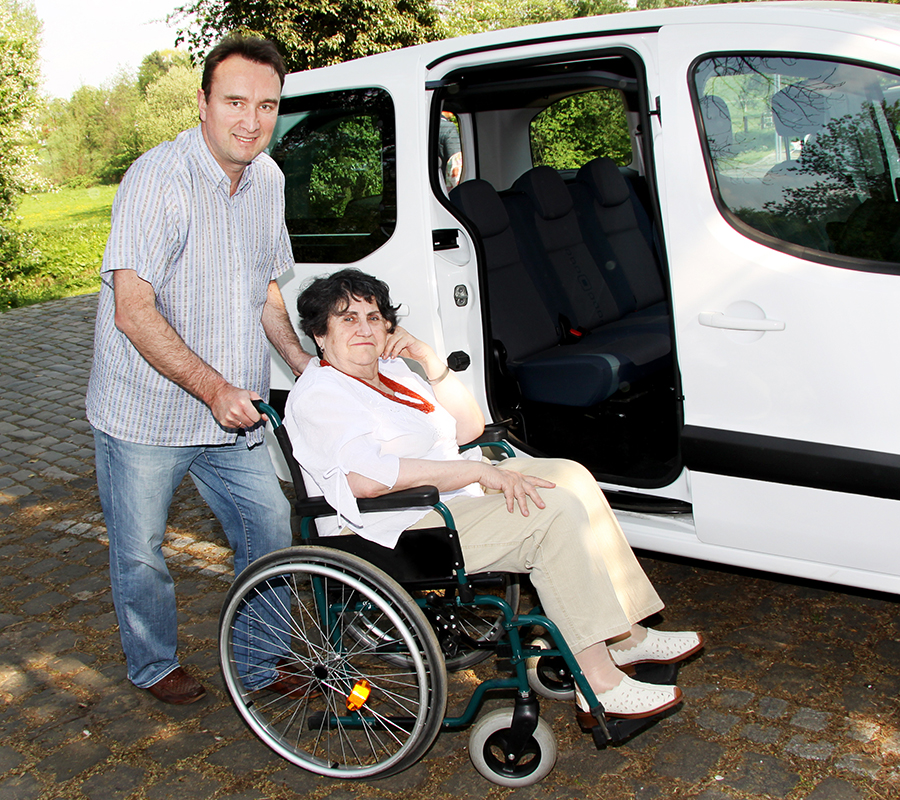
(717, 123)
(799, 110)
(547, 191)
(606, 183)
(479, 201)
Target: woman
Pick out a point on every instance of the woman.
(363, 424)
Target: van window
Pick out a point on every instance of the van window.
(337, 152)
(805, 153)
(576, 129)
(450, 158)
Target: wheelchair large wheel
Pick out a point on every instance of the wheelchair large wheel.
(369, 708)
(487, 749)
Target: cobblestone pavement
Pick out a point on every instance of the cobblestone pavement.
(795, 696)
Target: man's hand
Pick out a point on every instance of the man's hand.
(233, 407)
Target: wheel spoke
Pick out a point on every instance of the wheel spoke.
(352, 633)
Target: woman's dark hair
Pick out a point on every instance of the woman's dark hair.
(261, 51)
(332, 295)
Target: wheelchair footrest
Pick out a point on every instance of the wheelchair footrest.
(606, 730)
(660, 674)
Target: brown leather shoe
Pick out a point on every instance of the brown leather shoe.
(177, 688)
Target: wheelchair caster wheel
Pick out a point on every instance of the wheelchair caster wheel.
(549, 676)
(488, 752)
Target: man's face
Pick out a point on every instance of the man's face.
(240, 114)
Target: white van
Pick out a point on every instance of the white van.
(672, 254)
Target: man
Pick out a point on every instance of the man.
(449, 150)
(188, 300)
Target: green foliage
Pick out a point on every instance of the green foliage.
(311, 33)
(347, 169)
(97, 134)
(19, 43)
(19, 77)
(93, 137)
(461, 17)
(69, 229)
(18, 255)
(158, 63)
(576, 129)
(169, 106)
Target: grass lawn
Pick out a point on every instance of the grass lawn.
(70, 228)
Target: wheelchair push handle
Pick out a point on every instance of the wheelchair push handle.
(271, 413)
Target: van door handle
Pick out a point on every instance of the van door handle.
(716, 319)
(445, 238)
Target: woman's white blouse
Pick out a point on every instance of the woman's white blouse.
(339, 425)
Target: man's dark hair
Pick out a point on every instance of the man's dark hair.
(261, 51)
(331, 295)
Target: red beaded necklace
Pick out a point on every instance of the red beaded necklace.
(417, 402)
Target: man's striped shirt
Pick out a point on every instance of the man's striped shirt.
(209, 257)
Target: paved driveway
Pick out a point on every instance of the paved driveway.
(795, 696)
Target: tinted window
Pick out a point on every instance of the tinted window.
(805, 151)
(576, 129)
(337, 153)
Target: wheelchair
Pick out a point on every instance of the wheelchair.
(371, 633)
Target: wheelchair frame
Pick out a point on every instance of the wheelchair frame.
(374, 658)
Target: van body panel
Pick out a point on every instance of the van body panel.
(776, 350)
(801, 383)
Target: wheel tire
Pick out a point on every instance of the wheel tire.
(549, 676)
(301, 604)
(486, 751)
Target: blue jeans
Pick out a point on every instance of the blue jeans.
(136, 483)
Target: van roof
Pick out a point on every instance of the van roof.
(878, 20)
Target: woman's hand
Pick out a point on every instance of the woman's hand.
(515, 486)
(448, 389)
(402, 344)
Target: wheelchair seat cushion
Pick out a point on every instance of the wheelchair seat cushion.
(421, 555)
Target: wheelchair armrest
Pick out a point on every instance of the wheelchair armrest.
(312, 507)
(493, 433)
(410, 558)
(417, 497)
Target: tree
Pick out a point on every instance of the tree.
(460, 17)
(96, 135)
(311, 33)
(158, 63)
(19, 79)
(576, 129)
(93, 137)
(169, 106)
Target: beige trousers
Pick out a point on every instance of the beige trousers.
(586, 576)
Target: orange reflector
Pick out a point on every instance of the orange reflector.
(358, 695)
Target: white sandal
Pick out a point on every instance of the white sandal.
(661, 647)
(630, 699)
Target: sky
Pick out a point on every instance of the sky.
(86, 42)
